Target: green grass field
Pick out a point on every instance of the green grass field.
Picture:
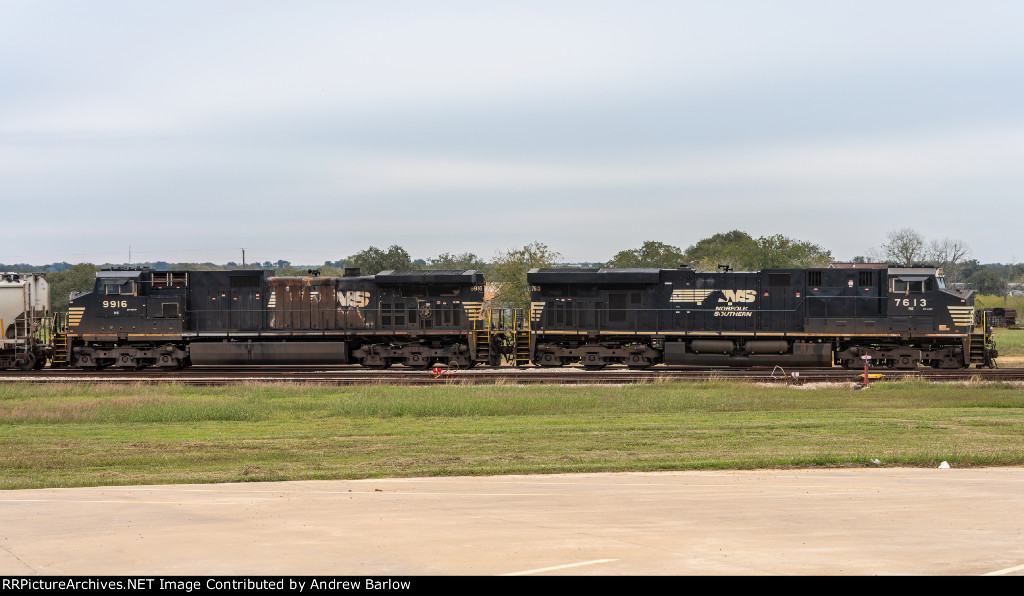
(82, 435)
(1010, 343)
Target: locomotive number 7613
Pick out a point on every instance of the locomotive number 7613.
(911, 301)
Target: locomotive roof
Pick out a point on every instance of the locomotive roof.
(430, 276)
(592, 275)
(916, 271)
(119, 273)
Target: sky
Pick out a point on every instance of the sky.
(308, 131)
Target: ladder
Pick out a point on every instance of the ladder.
(522, 355)
(977, 353)
(60, 341)
(521, 339)
(60, 350)
(482, 340)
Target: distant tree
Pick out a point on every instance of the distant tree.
(1016, 273)
(652, 254)
(904, 247)
(374, 260)
(62, 266)
(743, 253)
(948, 254)
(988, 282)
(908, 247)
(508, 273)
(729, 248)
(282, 264)
(778, 251)
(463, 261)
(78, 278)
(968, 268)
(198, 267)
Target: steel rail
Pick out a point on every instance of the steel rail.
(354, 375)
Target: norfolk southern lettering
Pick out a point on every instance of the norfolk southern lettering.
(733, 311)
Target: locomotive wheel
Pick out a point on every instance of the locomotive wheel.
(29, 362)
(168, 362)
(548, 360)
(40, 363)
(418, 361)
(458, 361)
(638, 362)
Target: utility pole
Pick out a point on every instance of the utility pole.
(243, 258)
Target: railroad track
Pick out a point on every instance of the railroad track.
(354, 375)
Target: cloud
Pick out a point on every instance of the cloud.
(331, 125)
(938, 156)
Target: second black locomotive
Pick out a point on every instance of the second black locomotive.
(898, 317)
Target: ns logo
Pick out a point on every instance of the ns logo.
(700, 295)
(738, 296)
(353, 299)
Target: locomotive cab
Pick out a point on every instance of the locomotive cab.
(925, 323)
(131, 319)
(918, 301)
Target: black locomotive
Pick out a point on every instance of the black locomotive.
(899, 317)
(139, 317)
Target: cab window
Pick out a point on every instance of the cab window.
(917, 286)
(113, 288)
